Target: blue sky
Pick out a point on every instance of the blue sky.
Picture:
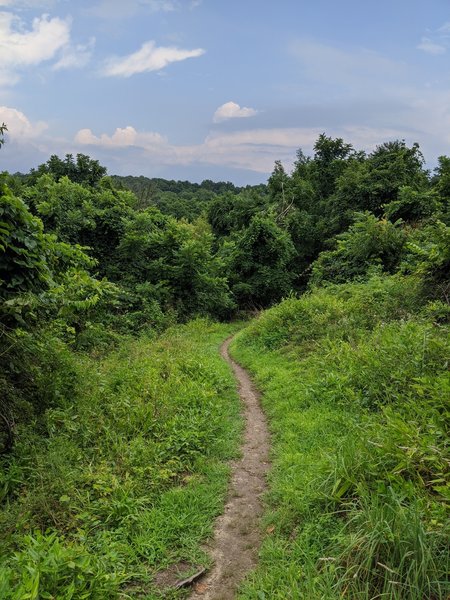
(196, 89)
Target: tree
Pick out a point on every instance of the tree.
(391, 166)
(413, 205)
(172, 262)
(44, 284)
(330, 160)
(228, 213)
(3, 130)
(368, 243)
(77, 214)
(260, 263)
(373, 182)
(84, 170)
(441, 184)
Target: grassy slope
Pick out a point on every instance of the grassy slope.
(356, 388)
(126, 477)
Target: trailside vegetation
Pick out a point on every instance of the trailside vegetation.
(356, 385)
(116, 414)
(123, 473)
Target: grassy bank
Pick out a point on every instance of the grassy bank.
(355, 384)
(124, 478)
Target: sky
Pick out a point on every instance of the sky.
(213, 89)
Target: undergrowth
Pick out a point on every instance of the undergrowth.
(124, 477)
(355, 383)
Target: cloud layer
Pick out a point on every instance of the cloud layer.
(254, 150)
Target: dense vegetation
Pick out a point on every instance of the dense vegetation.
(124, 473)
(356, 386)
(115, 417)
(355, 381)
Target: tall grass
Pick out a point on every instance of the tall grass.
(125, 477)
(355, 383)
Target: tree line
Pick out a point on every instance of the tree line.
(87, 257)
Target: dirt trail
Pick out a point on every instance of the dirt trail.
(237, 534)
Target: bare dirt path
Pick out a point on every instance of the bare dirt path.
(237, 535)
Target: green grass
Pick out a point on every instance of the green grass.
(125, 478)
(355, 384)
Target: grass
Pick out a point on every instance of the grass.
(355, 385)
(124, 478)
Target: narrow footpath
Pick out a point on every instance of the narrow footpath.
(237, 535)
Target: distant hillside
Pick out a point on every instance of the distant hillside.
(177, 198)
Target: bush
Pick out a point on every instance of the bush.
(368, 242)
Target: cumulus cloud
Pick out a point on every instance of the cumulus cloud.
(20, 128)
(148, 58)
(231, 110)
(47, 39)
(20, 48)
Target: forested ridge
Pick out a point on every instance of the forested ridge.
(117, 417)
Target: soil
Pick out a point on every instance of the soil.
(237, 534)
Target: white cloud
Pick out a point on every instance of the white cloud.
(19, 126)
(19, 47)
(231, 110)
(75, 56)
(45, 40)
(121, 138)
(255, 150)
(148, 58)
(431, 47)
